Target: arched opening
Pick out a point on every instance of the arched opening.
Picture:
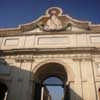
(3, 91)
(99, 93)
(49, 78)
(55, 88)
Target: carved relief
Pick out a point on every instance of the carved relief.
(53, 22)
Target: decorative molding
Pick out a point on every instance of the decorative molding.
(69, 50)
(82, 58)
(24, 58)
(30, 33)
(67, 68)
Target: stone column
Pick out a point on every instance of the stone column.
(42, 93)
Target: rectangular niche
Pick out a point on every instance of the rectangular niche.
(95, 39)
(11, 42)
(53, 41)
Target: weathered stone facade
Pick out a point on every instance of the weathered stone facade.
(55, 44)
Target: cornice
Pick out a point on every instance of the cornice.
(47, 33)
(73, 50)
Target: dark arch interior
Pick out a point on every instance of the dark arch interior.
(3, 91)
(51, 70)
(45, 72)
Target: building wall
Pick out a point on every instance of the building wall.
(62, 40)
(84, 64)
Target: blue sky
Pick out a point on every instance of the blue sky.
(56, 92)
(15, 12)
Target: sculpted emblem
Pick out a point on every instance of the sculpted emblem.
(53, 22)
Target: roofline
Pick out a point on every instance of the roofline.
(19, 28)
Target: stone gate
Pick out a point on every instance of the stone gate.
(55, 44)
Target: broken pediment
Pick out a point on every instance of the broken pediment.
(54, 21)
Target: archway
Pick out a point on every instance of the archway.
(51, 69)
(3, 91)
(54, 87)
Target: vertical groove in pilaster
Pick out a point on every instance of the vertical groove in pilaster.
(94, 78)
(81, 77)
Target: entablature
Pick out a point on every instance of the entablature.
(86, 50)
